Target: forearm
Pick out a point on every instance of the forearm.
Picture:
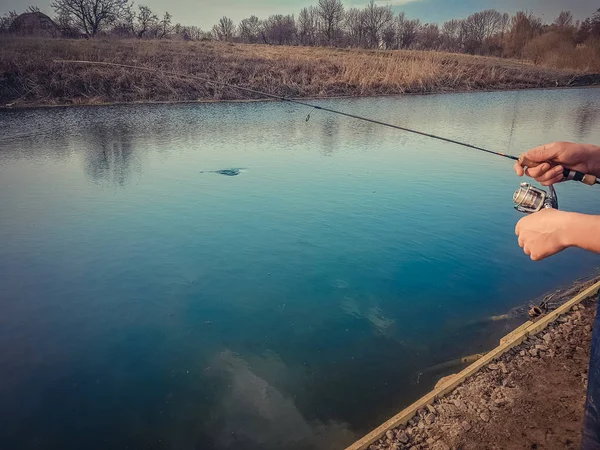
(583, 231)
(594, 163)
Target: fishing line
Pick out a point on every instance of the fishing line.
(568, 174)
(286, 99)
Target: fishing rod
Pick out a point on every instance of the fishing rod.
(527, 198)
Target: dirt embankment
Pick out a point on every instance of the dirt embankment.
(30, 76)
(532, 398)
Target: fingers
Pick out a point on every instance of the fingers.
(543, 153)
(545, 173)
(539, 171)
(519, 169)
(552, 176)
(557, 179)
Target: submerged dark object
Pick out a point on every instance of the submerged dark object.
(227, 172)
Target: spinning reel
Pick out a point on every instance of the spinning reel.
(529, 199)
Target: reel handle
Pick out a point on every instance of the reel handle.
(569, 174)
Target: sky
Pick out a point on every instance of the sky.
(205, 13)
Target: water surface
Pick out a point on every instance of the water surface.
(149, 302)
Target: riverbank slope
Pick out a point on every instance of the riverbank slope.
(30, 75)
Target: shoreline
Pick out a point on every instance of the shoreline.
(10, 107)
(501, 396)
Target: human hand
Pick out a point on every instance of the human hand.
(545, 233)
(555, 157)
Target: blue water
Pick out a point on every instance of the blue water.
(148, 303)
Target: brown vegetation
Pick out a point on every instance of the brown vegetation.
(288, 71)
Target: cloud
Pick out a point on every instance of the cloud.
(255, 414)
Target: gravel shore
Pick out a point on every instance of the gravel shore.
(531, 398)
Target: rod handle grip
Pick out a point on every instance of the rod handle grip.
(569, 174)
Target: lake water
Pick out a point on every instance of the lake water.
(146, 302)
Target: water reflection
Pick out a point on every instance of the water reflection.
(111, 156)
(586, 117)
(255, 414)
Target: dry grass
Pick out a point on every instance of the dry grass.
(29, 76)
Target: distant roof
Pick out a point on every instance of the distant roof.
(34, 23)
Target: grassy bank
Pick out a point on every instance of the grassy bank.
(29, 75)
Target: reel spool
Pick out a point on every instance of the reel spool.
(529, 199)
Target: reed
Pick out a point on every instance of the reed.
(29, 75)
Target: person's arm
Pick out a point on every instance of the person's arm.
(550, 231)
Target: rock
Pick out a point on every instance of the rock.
(389, 434)
(533, 352)
(421, 425)
(503, 368)
(402, 438)
(465, 425)
(493, 366)
(500, 402)
(422, 412)
(429, 419)
(547, 338)
(431, 409)
(587, 328)
(541, 347)
(484, 416)
(440, 445)
(458, 403)
(522, 353)
(395, 446)
(430, 441)
(581, 307)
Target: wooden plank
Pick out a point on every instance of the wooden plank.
(508, 342)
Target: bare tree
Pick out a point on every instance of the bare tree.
(389, 36)
(377, 19)
(6, 21)
(124, 26)
(33, 9)
(564, 19)
(355, 26)
(279, 29)
(408, 32)
(308, 26)
(524, 28)
(91, 15)
(249, 30)
(331, 13)
(146, 21)
(479, 28)
(429, 36)
(224, 30)
(165, 27)
(452, 35)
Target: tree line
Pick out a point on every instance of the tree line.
(330, 23)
